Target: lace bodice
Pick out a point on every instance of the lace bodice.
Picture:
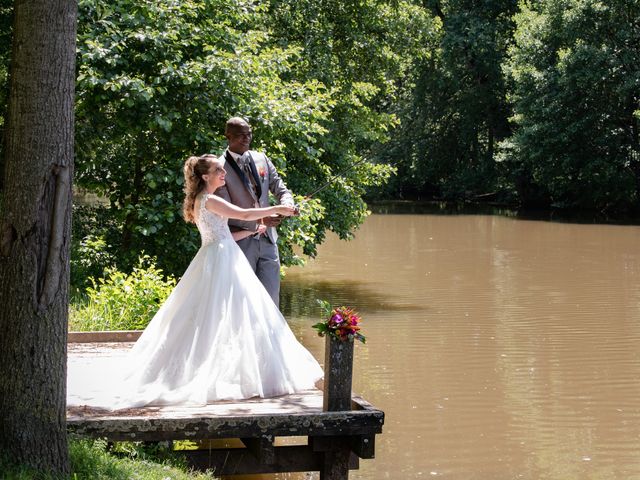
(212, 227)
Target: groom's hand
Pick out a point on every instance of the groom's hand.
(272, 221)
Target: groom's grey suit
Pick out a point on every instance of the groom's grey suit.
(262, 250)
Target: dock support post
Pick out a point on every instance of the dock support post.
(335, 465)
(338, 372)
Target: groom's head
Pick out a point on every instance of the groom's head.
(239, 135)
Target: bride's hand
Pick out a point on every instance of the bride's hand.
(285, 210)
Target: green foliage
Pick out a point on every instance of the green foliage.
(89, 259)
(122, 302)
(157, 452)
(91, 253)
(354, 49)
(94, 460)
(300, 231)
(456, 110)
(575, 67)
(156, 83)
(20, 472)
(461, 97)
(91, 460)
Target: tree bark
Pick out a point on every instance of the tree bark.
(35, 231)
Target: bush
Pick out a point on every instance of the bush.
(19, 472)
(89, 259)
(123, 302)
(92, 252)
(91, 460)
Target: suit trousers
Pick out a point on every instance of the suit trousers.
(263, 257)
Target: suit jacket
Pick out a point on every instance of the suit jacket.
(237, 192)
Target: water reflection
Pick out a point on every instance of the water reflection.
(499, 348)
(300, 298)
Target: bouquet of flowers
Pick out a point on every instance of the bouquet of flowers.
(341, 323)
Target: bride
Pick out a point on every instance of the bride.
(218, 336)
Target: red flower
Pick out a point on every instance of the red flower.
(341, 322)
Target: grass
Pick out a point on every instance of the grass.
(90, 460)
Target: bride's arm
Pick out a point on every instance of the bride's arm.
(240, 234)
(225, 209)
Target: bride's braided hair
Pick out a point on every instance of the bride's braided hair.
(194, 169)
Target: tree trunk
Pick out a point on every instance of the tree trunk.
(35, 231)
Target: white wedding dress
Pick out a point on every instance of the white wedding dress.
(219, 336)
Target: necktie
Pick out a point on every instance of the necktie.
(246, 169)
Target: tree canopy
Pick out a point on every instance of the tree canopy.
(529, 103)
(575, 68)
(156, 83)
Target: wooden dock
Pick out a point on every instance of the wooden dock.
(290, 433)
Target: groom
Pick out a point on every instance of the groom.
(249, 179)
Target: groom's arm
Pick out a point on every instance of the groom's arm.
(277, 186)
(279, 190)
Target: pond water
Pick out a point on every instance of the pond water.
(499, 348)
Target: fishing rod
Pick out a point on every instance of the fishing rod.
(308, 197)
(331, 179)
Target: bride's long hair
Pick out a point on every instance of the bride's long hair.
(194, 169)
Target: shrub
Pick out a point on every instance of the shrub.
(91, 460)
(123, 302)
(89, 259)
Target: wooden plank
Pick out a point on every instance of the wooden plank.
(239, 461)
(107, 336)
(289, 415)
(145, 428)
(306, 402)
